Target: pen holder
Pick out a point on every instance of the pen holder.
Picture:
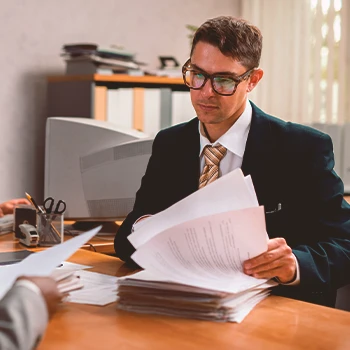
(50, 229)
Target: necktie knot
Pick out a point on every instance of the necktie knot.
(212, 157)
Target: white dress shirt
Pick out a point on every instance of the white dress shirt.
(234, 140)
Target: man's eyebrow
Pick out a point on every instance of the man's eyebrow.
(234, 75)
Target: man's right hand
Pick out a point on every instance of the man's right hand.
(49, 290)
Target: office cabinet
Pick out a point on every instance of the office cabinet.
(140, 102)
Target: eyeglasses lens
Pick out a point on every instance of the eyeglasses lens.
(222, 85)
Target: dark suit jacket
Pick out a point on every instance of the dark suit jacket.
(289, 164)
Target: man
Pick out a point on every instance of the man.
(25, 311)
(27, 306)
(291, 166)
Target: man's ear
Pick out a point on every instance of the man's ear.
(254, 79)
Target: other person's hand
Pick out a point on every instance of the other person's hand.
(278, 261)
(49, 290)
(9, 206)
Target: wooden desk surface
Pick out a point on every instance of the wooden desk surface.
(99, 244)
(276, 323)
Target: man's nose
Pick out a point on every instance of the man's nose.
(207, 89)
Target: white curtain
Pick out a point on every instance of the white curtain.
(306, 65)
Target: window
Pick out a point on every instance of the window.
(326, 61)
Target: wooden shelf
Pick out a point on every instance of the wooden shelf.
(118, 78)
(88, 95)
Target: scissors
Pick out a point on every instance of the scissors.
(49, 204)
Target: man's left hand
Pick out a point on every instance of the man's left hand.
(278, 261)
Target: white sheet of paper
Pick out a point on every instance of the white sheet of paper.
(42, 263)
(230, 192)
(249, 182)
(73, 266)
(99, 289)
(240, 313)
(208, 249)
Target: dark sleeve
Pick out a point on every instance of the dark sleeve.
(323, 253)
(149, 198)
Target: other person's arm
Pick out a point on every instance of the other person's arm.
(9, 206)
(25, 311)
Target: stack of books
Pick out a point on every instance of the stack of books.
(193, 253)
(89, 58)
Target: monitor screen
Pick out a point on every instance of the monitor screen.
(111, 177)
(94, 166)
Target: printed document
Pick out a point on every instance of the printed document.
(208, 250)
(230, 192)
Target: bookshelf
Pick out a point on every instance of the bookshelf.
(93, 96)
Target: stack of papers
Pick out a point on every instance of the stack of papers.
(67, 281)
(98, 289)
(173, 299)
(90, 58)
(85, 287)
(193, 254)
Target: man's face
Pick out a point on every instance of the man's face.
(212, 108)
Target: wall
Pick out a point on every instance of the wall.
(32, 33)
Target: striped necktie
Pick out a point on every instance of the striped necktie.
(212, 157)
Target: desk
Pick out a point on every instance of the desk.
(100, 244)
(276, 323)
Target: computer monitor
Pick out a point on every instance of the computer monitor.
(94, 166)
(111, 177)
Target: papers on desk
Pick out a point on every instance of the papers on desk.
(67, 281)
(98, 289)
(42, 263)
(85, 287)
(193, 252)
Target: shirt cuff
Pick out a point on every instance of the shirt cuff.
(29, 285)
(139, 222)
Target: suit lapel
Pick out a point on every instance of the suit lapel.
(259, 141)
(190, 146)
(259, 157)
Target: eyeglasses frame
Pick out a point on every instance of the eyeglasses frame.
(237, 80)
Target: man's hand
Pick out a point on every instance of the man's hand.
(278, 261)
(9, 206)
(49, 290)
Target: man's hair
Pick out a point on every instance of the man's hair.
(234, 37)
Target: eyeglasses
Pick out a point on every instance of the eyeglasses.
(223, 84)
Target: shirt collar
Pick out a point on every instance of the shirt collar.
(235, 138)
